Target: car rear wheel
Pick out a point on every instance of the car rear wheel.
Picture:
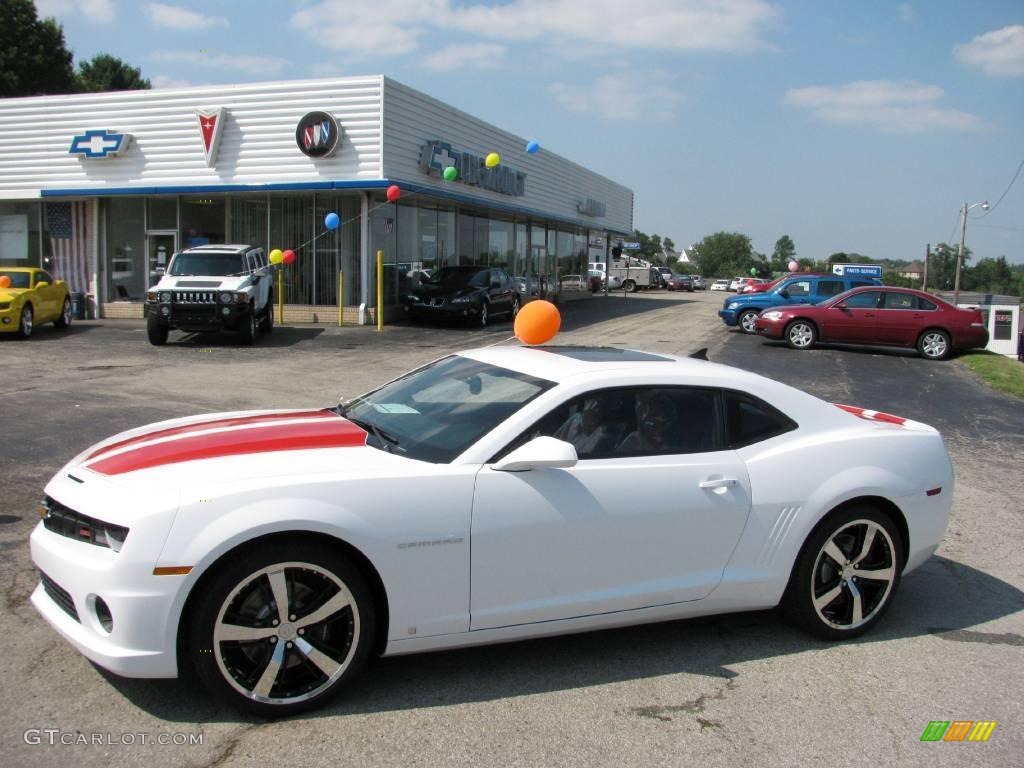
(515, 308)
(277, 634)
(846, 574)
(64, 321)
(629, 286)
(484, 314)
(748, 321)
(801, 334)
(156, 333)
(934, 345)
(25, 322)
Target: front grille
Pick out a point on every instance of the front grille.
(195, 297)
(437, 302)
(67, 522)
(60, 596)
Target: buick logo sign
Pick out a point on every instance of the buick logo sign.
(318, 134)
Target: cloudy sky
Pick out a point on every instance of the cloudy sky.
(849, 126)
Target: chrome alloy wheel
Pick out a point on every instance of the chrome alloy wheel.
(853, 575)
(286, 633)
(801, 335)
(25, 324)
(934, 345)
(748, 322)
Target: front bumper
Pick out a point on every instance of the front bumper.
(771, 328)
(728, 316)
(446, 311)
(198, 317)
(10, 318)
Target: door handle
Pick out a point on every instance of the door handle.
(722, 482)
(869, 314)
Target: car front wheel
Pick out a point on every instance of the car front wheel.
(847, 573)
(748, 321)
(248, 329)
(156, 333)
(25, 323)
(801, 334)
(934, 345)
(277, 634)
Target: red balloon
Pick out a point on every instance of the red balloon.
(288, 256)
(394, 192)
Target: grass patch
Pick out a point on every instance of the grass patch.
(1003, 373)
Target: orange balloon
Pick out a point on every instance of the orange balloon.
(5, 281)
(537, 322)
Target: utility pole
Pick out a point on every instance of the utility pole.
(960, 256)
(927, 258)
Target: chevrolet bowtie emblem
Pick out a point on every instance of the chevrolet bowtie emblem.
(100, 144)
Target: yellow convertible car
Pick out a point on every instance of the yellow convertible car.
(30, 296)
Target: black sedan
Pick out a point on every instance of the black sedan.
(474, 294)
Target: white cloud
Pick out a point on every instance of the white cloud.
(256, 65)
(999, 53)
(388, 27)
(457, 56)
(163, 81)
(903, 106)
(620, 96)
(175, 17)
(99, 11)
(906, 12)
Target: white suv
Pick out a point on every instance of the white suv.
(211, 288)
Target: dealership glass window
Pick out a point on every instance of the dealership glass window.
(383, 237)
(333, 251)
(521, 263)
(446, 232)
(500, 248)
(124, 265)
(202, 221)
(162, 213)
(19, 236)
(291, 225)
(566, 254)
(481, 240)
(249, 221)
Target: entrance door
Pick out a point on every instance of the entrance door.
(160, 246)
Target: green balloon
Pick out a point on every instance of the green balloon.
(753, 270)
(450, 173)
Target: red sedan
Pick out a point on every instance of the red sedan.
(878, 315)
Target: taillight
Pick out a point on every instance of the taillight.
(869, 415)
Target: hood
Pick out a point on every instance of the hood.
(227, 447)
(199, 283)
(427, 290)
(10, 294)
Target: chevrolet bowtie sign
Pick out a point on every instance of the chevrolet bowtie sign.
(435, 156)
(100, 144)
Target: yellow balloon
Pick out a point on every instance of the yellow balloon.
(492, 159)
(276, 256)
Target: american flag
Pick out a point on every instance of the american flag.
(68, 225)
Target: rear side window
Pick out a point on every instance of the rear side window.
(923, 303)
(899, 300)
(830, 287)
(750, 420)
(861, 283)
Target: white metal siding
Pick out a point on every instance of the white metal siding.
(554, 185)
(257, 144)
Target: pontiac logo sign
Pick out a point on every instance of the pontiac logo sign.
(318, 134)
(211, 126)
(100, 144)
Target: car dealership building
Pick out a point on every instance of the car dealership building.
(101, 189)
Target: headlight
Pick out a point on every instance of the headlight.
(462, 299)
(773, 315)
(4, 305)
(165, 297)
(732, 305)
(151, 296)
(227, 298)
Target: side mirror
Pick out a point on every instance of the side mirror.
(256, 279)
(495, 284)
(539, 453)
(784, 293)
(42, 284)
(159, 270)
(840, 305)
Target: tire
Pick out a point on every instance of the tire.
(25, 321)
(934, 344)
(801, 334)
(156, 333)
(64, 321)
(828, 594)
(314, 660)
(267, 323)
(515, 307)
(247, 330)
(629, 286)
(484, 314)
(747, 321)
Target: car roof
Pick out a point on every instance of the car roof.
(225, 248)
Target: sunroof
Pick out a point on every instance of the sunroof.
(605, 354)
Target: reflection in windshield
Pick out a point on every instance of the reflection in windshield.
(460, 276)
(437, 412)
(18, 279)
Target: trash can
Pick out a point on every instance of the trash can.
(78, 306)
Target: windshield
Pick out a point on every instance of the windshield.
(18, 279)
(459, 276)
(439, 411)
(220, 264)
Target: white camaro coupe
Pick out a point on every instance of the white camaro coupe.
(493, 495)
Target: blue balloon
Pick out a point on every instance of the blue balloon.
(331, 220)
(532, 147)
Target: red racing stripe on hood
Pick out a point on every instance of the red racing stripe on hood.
(202, 426)
(317, 433)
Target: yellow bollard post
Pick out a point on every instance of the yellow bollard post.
(380, 290)
(280, 298)
(341, 298)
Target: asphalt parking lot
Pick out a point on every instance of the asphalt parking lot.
(747, 689)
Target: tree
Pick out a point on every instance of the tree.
(724, 253)
(942, 269)
(784, 252)
(108, 73)
(33, 57)
(839, 258)
(990, 276)
(669, 244)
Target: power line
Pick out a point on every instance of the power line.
(992, 208)
(996, 226)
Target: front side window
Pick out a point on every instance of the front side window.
(865, 300)
(437, 412)
(43, 277)
(798, 288)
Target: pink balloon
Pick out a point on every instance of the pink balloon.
(793, 266)
(394, 192)
(288, 256)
